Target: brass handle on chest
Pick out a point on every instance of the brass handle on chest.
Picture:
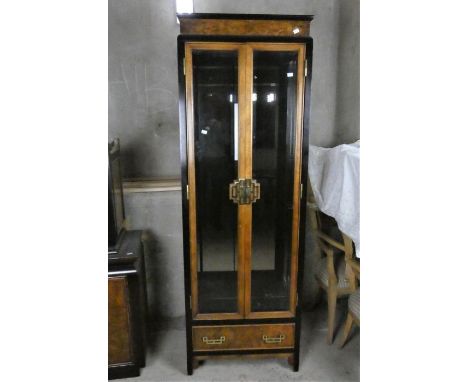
(244, 191)
(214, 341)
(273, 340)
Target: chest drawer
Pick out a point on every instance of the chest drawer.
(243, 337)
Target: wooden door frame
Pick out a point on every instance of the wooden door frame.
(189, 48)
(244, 228)
(301, 50)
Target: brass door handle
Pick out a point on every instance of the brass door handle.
(255, 191)
(244, 191)
(214, 341)
(233, 191)
(273, 340)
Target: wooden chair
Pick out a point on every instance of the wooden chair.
(353, 304)
(334, 274)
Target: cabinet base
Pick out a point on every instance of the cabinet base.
(198, 359)
(123, 371)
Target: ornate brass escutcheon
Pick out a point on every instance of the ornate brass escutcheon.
(273, 340)
(215, 341)
(244, 191)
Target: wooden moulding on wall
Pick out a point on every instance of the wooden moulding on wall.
(247, 25)
(150, 185)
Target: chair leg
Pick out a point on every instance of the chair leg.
(347, 329)
(332, 297)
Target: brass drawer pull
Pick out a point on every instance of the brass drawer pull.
(273, 340)
(215, 341)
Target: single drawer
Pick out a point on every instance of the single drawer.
(243, 337)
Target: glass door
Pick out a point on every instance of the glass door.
(277, 99)
(214, 87)
(244, 144)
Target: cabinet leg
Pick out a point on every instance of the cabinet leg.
(189, 366)
(296, 361)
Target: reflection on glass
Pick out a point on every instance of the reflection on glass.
(274, 119)
(215, 106)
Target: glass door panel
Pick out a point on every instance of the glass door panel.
(274, 107)
(215, 120)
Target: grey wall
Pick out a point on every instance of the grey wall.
(159, 215)
(143, 102)
(347, 101)
(143, 93)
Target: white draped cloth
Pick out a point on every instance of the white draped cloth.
(334, 176)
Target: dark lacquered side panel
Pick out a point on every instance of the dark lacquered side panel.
(305, 161)
(184, 194)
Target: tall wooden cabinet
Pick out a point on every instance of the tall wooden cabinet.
(244, 83)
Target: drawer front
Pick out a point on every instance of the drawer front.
(243, 337)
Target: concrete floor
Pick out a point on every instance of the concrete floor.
(319, 362)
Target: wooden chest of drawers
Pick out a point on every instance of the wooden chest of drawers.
(243, 337)
(126, 308)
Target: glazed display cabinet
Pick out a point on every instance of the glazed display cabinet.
(244, 83)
